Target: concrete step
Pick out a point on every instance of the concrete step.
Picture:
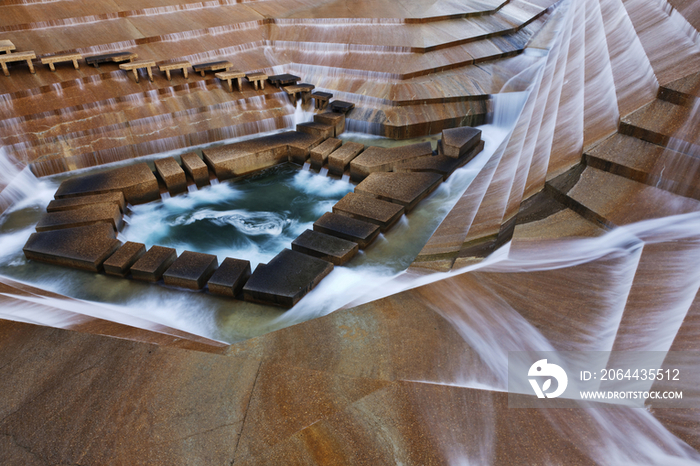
(658, 122)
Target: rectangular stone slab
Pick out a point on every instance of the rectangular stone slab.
(172, 175)
(84, 248)
(326, 247)
(406, 189)
(81, 216)
(116, 198)
(195, 168)
(229, 278)
(369, 209)
(317, 129)
(137, 182)
(336, 120)
(347, 228)
(381, 159)
(339, 160)
(458, 141)
(441, 164)
(121, 261)
(286, 279)
(151, 266)
(320, 153)
(191, 270)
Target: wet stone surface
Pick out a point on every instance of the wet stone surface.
(121, 261)
(191, 270)
(229, 278)
(326, 247)
(347, 228)
(151, 266)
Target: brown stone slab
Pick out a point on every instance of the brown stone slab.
(137, 182)
(440, 163)
(172, 175)
(339, 160)
(458, 141)
(212, 66)
(6, 46)
(168, 67)
(229, 76)
(320, 153)
(406, 189)
(337, 120)
(84, 248)
(229, 278)
(286, 279)
(191, 270)
(116, 198)
(381, 159)
(134, 66)
(195, 168)
(66, 57)
(326, 247)
(347, 228)
(19, 56)
(151, 266)
(257, 80)
(369, 209)
(317, 129)
(81, 216)
(121, 261)
(341, 106)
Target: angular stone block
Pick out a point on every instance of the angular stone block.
(320, 153)
(81, 216)
(151, 266)
(347, 228)
(191, 270)
(195, 168)
(316, 129)
(286, 279)
(172, 175)
(229, 278)
(369, 209)
(116, 198)
(121, 261)
(341, 106)
(406, 189)
(440, 163)
(326, 247)
(84, 248)
(380, 159)
(136, 182)
(339, 160)
(458, 141)
(336, 120)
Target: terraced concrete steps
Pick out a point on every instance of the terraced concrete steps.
(659, 121)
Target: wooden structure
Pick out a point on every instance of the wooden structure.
(303, 89)
(168, 67)
(20, 56)
(229, 76)
(321, 99)
(51, 61)
(136, 65)
(255, 78)
(117, 57)
(279, 80)
(6, 46)
(212, 66)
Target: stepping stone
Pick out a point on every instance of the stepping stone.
(368, 209)
(229, 278)
(317, 129)
(81, 216)
(69, 203)
(342, 106)
(326, 247)
(337, 120)
(406, 189)
(458, 141)
(151, 266)
(191, 270)
(121, 261)
(339, 160)
(381, 159)
(195, 168)
(320, 153)
(172, 175)
(286, 279)
(441, 164)
(84, 248)
(348, 228)
(137, 182)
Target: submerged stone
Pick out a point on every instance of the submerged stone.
(347, 228)
(172, 175)
(326, 247)
(406, 189)
(151, 266)
(191, 270)
(136, 182)
(229, 278)
(116, 198)
(369, 209)
(81, 216)
(121, 261)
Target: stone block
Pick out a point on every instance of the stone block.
(440, 163)
(369, 209)
(341, 106)
(406, 189)
(320, 153)
(317, 129)
(121, 261)
(84, 248)
(229, 278)
(116, 198)
(195, 168)
(336, 120)
(137, 183)
(458, 141)
(339, 160)
(191, 270)
(347, 228)
(326, 247)
(380, 159)
(151, 266)
(81, 216)
(172, 175)
(286, 279)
